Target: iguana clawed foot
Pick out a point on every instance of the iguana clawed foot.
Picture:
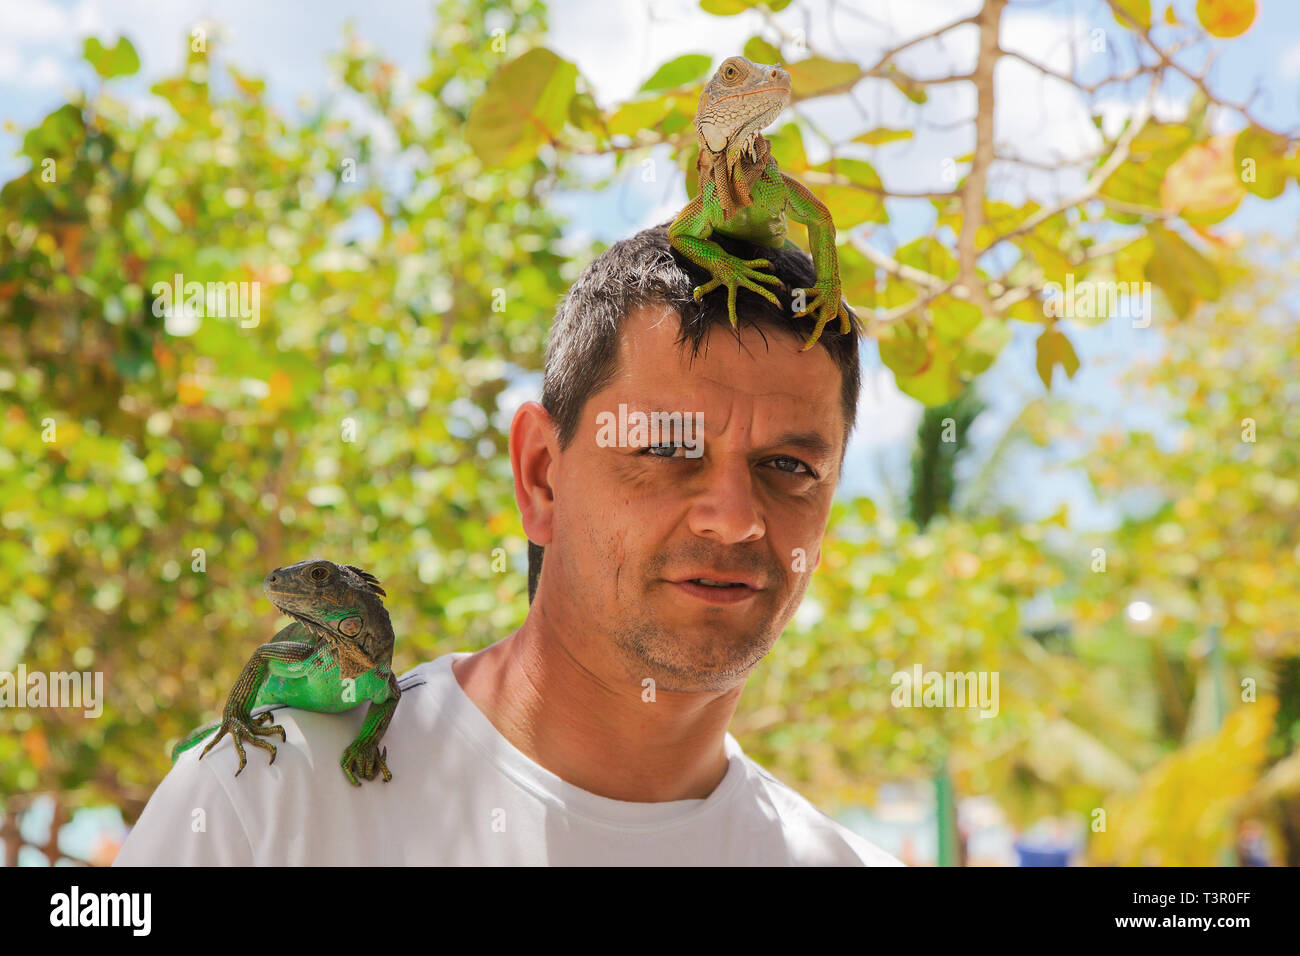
(364, 760)
(825, 302)
(734, 273)
(251, 730)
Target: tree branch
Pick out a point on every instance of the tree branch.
(973, 190)
(1103, 172)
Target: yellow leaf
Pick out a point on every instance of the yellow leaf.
(189, 391)
(1055, 349)
(1126, 11)
(1202, 185)
(280, 391)
(1226, 18)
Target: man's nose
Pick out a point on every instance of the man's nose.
(725, 507)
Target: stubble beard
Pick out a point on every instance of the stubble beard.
(703, 657)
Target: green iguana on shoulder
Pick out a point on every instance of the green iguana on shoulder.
(743, 193)
(337, 654)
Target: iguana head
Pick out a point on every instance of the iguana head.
(742, 98)
(339, 603)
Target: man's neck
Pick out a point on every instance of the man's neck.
(594, 729)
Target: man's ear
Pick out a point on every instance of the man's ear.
(533, 450)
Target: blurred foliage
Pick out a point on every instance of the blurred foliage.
(358, 420)
(1182, 814)
(1212, 538)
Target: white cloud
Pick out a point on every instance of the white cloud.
(885, 415)
(46, 72)
(22, 21)
(10, 64)
(1289, 65)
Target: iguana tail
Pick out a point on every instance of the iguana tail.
(192, 738)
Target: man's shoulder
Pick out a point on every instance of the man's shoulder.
(813, 837)
(264, 804)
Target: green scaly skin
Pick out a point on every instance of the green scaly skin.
(743, 193)
(337, 654)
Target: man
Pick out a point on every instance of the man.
(664, 564)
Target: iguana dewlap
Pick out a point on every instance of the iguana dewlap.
(338, 653)
(743, 193)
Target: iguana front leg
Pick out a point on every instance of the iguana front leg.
(363, 758)
(689, 235)
(825, 300)
(237, 719)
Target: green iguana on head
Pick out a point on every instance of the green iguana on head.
(743, 193)
(336, 654)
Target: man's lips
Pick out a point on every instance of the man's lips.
(743, 587)
(750, 581)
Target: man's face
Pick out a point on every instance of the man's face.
(632, 525)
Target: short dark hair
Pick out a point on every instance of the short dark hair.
(582, 351)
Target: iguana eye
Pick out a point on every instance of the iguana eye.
(319, 573)
(731, 71)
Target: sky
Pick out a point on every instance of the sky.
(617, 44)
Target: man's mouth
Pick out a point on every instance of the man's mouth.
(718, 590)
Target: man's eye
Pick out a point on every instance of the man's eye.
(784, 461)
(656, 450)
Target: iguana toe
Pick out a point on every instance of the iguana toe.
(738, 273)
(241, 730)
(826, 306)
(364, 761)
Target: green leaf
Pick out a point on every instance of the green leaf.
(849, 204)
(817, 76)
(1151, 154)
(1182, 273)
(758, 50)
(1259, 159)
(928, 255)
(58, 135)
(584, 114)
(636, 116)
(678, 72)
(924, 367)
(1055, 349)
(729, 8)
(983, 344)
(525, 104)
(954, 319)
(907, 86)
(117, 60)
(787, 149)
(882, 134)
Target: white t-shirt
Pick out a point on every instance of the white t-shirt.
(461, 794)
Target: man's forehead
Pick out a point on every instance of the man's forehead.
(768, 367)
